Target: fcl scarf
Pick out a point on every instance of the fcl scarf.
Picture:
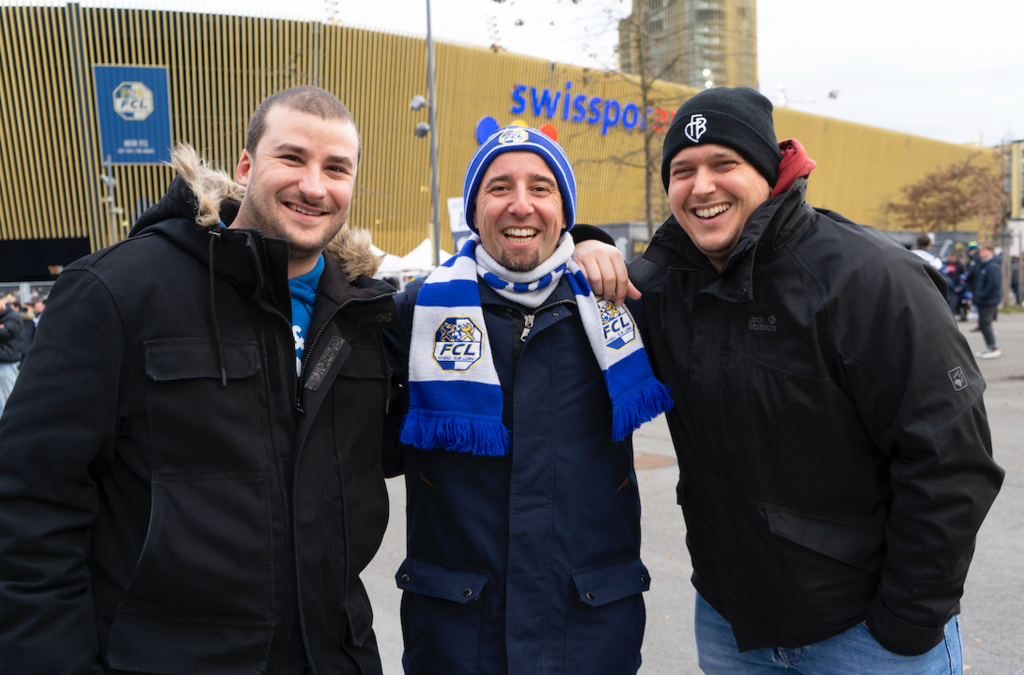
(455, 399)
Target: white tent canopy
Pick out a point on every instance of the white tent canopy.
(421, 258)
(390, 266)
(417, 262)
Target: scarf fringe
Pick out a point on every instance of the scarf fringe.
(458, 434)
(638, 405)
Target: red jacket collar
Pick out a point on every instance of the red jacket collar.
(795, 164)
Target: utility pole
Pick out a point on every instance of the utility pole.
(434, 188)
(111, 184)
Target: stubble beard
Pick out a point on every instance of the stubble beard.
(519, 265)
(260, 215)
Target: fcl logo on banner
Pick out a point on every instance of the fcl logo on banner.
(617, 325)
(458, 344)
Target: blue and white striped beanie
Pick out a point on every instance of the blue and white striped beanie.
(521, 139)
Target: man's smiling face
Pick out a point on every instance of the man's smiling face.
(299, 184)
(518, 211)
(713, 190)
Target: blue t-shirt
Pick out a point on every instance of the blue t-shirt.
(303, 290)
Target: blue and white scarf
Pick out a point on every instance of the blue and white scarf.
(455, 399)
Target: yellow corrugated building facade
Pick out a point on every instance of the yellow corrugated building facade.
(220, 67)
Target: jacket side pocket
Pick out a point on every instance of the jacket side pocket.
(441, 617)
(606, 618)
(861, 547)
(201, 596)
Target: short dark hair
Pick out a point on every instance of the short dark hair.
(923, 241)
(305, 99)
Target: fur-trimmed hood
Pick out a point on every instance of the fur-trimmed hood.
(208, 196)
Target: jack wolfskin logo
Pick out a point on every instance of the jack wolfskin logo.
(760, 323)
(696, 128)
(957, 377)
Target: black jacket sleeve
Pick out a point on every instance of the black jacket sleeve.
(581, 233)
(57, 432)
(396, 344)
(915, 383)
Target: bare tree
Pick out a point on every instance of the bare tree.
(968, 191)
(642, 33)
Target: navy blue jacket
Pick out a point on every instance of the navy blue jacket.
(988, 289)
(527, 564)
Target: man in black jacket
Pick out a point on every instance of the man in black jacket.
(835, 457)
(11, 330)
(190, 475)
(988, 293)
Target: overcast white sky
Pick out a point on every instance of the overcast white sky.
(944, 69)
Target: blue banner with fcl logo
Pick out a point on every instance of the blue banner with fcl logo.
(133, 104)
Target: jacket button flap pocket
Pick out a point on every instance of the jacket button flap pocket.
(862, 547)
(440, 581)
(189, 358)
(609, 582)
(363, 362)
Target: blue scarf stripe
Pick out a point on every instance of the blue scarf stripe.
(619, 379)
(463, 293)
(450, 397)
(495, 282)
(582, 286)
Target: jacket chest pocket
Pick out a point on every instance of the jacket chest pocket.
(359, 401)
(199, 425)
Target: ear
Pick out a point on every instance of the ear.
(244, 168)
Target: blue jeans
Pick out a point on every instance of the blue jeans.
(855, 652)
(8, 374)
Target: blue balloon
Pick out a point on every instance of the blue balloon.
(485, 128)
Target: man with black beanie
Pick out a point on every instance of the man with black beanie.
(834, 451)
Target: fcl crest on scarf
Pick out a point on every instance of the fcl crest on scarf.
(617, 325)
(457, 344)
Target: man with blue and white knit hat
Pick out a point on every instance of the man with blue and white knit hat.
(523, 391)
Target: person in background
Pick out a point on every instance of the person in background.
(954, 271)
(1015, 278)
(11, 329)
(988, 294)
(924, 251)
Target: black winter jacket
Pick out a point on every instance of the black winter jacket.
(988, 290)
(10, 336)
(171, 501)
(834, 452)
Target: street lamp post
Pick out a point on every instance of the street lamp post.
(424, 128)
(434, 189)
(112, 209)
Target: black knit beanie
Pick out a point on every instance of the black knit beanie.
(739, 118)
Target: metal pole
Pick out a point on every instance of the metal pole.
(434, 189)
(111, 184)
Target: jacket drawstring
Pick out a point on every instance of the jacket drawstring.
(214, 236)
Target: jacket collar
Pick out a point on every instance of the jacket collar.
(769, 228)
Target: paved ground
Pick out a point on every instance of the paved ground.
(993, 604)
